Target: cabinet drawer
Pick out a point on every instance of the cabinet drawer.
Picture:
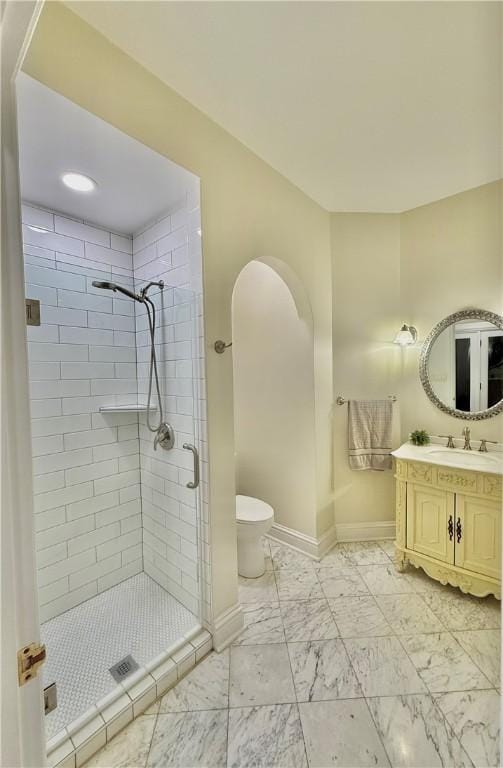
(457, 480)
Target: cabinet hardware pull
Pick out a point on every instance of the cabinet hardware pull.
(450, 528)
(459, 530)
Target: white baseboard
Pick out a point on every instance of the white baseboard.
(327, 541)
(317, 548)
(300, 541)
(365, 531)
(308, 545)
(227, 627)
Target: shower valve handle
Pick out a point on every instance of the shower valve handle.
(165, 437)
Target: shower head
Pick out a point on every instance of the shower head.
(114, 287)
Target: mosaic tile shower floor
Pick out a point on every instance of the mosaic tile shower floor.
(136, 617)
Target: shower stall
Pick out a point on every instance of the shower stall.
(118, 414)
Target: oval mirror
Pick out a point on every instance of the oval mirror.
(461, 364)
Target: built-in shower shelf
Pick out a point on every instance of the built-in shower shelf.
(134, 408)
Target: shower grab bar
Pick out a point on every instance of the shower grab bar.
(195, 454)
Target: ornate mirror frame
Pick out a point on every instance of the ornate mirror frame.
(465, 314)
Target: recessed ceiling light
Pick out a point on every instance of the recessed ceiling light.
(78, 182)
(37, 229)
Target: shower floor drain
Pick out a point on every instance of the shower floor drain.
(123, 668)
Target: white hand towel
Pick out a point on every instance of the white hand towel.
(369, 434)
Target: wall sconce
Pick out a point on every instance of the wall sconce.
(406, 336)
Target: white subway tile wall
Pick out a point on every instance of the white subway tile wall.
(89, 536)
(176, 547)
(95, 473)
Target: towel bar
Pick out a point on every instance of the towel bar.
(342, 400)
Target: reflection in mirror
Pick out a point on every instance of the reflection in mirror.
(466, 365)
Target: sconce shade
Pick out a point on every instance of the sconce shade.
(406, 336)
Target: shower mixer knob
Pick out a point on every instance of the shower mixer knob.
(165, 437)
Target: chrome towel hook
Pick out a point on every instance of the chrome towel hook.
(220, 346)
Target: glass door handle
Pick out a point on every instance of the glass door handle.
(189, 447)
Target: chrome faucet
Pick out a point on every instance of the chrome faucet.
(466, 435)
(483, 445)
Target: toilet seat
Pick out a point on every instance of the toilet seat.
(251, 510)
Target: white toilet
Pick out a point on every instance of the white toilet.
(254, 519)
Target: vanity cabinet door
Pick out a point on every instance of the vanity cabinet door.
(478, 527)
(430, 522)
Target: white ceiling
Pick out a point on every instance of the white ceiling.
(135, 184)
(366, 106)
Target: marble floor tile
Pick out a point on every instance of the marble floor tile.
(388, 546)
(190, 740)
(414, 733)
(421, 582)
(484, 647)
(267, 554)
(442, 663)
(359, 617)
(260, 674)
(382, 667)
(335, 558)
(205, 687)
(408, 614)
(337, 582)
(319, 637)
(475, 719)
(322, 671)
(460, 612)
(261, 590)
(262, 625)
(341, 733)
(365, 553)
(286, 557)
(129, 749)
(385, 580)
(298, 584)
(266, 736)
(308, 620)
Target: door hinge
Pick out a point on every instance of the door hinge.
(29, 659)
(32, 312)
(50, 698)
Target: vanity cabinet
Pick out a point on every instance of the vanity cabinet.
(448, 522)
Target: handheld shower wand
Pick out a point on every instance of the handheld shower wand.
(114, 287)
(164, 433)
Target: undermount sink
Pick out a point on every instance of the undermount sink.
(477, 461)
(456, 458)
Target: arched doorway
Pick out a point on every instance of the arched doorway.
(273, 368)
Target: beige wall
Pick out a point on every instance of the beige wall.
(274, 398)
(366, 315)
(416, 267)
(451, 258)
(248, 211)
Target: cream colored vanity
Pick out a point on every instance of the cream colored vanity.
(448, 515)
